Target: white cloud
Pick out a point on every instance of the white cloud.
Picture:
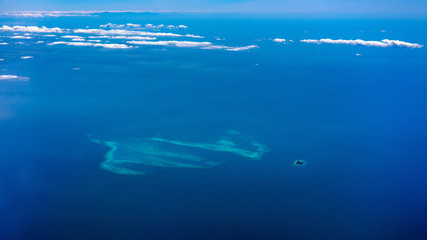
(90, 44)
(151, 26)
(112, 45)
(27, 57)
(172, 43)
(241, 48)
(78, 44)
(147, 26)
(193, 36)
(1, 59)
(40, 42)
(111, 25)
(124, 37)
(13, 78)
(78, 39)
(176, 27)
(99, 37)
(191, 44)
(382, 43)
(137, 37)
(70, 36)
(123, 32)
(74, 37)
(234, 49)
(31, 29)
(20, 37)
(279, 40)
(4, 43)
(131, 33)
(132, 38)
(214, 47)
(133, 25)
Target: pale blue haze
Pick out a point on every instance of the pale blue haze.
(330, 6)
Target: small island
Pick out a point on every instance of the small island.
(300, 163)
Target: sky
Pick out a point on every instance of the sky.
(328, 6)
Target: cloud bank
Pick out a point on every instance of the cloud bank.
(70, 36)
(21, 37)
(151, 26)
(91, 44)
(172, 43)
(132, 33)
(125, 37)
(237, 49)
(191, 44)
(279, 40)
(33, 29)
(382, 43)
(13, 78)
(111, 25)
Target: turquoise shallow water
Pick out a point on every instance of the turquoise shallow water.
(357, 120)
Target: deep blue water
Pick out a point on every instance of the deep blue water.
(358, 121)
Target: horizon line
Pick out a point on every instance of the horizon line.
(51, 13)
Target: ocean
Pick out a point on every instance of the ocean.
(188, 126)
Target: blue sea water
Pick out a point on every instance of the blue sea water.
(359, 121)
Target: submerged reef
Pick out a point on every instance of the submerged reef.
(134, 156)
